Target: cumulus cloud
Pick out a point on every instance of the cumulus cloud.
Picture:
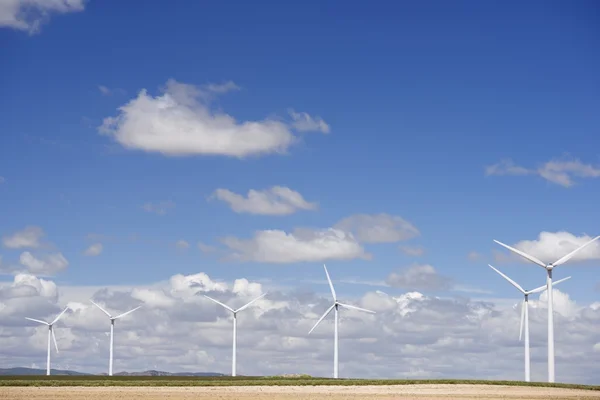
(180, 122)
(412, 335)
(30, 15)
(160, 208)
(561, 172)
(94, 250)
(277, 200)
(303, 122)
(551, 246)
(303, 245)
(378, 228)
(46, 265)
(29, 237)
(419, 277)
(414, 251)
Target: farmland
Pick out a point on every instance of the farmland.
(97, 387)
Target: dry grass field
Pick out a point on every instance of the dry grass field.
(331, 392)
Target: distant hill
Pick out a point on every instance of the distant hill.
(35, 371)
(163, 373)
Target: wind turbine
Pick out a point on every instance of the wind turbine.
(50, 333)
(525, 314)
(233, 358)
(335, 307)
(112, 328)
(549, 267)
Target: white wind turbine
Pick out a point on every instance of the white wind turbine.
(549, 267)
(233, 358)
(525, 315)
(335, 307)
(50, 333)
(112, 328)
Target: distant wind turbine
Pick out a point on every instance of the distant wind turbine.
(525, 315)
(112, 328)
(50, 333)
(233, 358)
(335, 307)
(549, 267)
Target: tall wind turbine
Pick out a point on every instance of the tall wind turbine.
(525, 315)
(50, 333)
(233, 358)
(335, 306)
(549, 267)
(112, 328)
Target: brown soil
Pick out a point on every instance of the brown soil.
(422, 392)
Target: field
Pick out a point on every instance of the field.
(278, 388)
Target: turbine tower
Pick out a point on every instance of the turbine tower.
(112, 328)
(233, 358)
(335, 307)
(50, 333)
(525, 315)
(549, 267)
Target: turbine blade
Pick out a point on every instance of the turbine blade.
(571, 254)
(522, 254)
(561, 280)
(321, 319)
(54, 338)
(515, 284)
(538, 290)
(356, 308)
(247, 305)
(219, 303)
(522, 319)
(59, 315)
(103, 310)
(330, 284)
(128, 312)
(37, 320)
(542, 288)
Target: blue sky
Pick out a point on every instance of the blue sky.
(419, 100)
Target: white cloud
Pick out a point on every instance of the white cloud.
(222, 88)
(182, 244)
(414, 251)
(2, 180)
(94, 250)
(205, 248)
(303, 122)
(419, 277)
(160, 208)
(106, 91)
(378, 228)
(551, 246)
(303, 245)
(277, 200)
(561, 172)
(30, 15)
(46, 265)
(178, 330)
(29, 237)
(474, 256)
(180, 122)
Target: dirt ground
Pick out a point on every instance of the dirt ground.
(422, 392)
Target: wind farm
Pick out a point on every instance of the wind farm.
(299, 200)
